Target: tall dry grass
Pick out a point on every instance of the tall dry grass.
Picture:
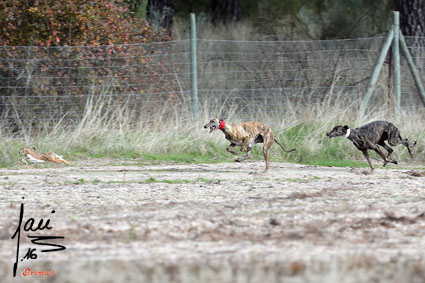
(113, 133)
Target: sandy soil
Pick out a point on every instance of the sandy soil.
(224, 222)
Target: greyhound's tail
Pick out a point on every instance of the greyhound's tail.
(409, 148)
(285, 150)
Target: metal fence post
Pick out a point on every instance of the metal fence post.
(376, 70)
(193, 68)
(396, 64)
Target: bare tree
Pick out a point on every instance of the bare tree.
(159, 13)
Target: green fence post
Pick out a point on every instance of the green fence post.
(396, 64)
(412, 68)
(376, 70)
(193, 68)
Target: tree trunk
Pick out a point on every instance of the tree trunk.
(159, 14)
(226, 11)
(412, 20)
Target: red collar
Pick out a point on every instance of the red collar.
(222, 124)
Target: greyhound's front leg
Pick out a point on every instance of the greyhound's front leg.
(249, 145)
(244, 144)
(229, 149)
(366, 155)
(245, 157)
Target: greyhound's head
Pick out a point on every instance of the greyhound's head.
(338, 131)
(26, 150)
(214, 124)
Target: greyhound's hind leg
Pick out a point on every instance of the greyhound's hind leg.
(396, 139)
(405, 142)
(387, 148)
(266, 158)
(377, 150)
(268, 143)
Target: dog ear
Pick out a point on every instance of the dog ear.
(345, 127)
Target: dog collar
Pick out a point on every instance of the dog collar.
(222, 124)
(348, 133)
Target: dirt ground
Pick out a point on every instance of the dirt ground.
(224, 222)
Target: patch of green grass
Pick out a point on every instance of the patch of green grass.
(179, 181)
(338, 163)
(296, 180)
(131, 233)
(210, 181)
(306, 179)
(80, 182)
(148, 180)
(184, 157)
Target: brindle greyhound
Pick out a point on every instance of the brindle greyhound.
(370, 136)
(246, 135)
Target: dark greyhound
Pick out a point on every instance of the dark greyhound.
(370, 136)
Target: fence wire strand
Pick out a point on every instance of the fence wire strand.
(55, 83)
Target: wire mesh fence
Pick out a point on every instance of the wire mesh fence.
(40, 85)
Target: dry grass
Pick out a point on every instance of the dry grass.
(115, 134)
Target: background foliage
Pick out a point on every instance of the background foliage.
(72, 22)
(316, 19)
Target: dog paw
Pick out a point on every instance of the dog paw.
(395, 162)
(237, 160)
